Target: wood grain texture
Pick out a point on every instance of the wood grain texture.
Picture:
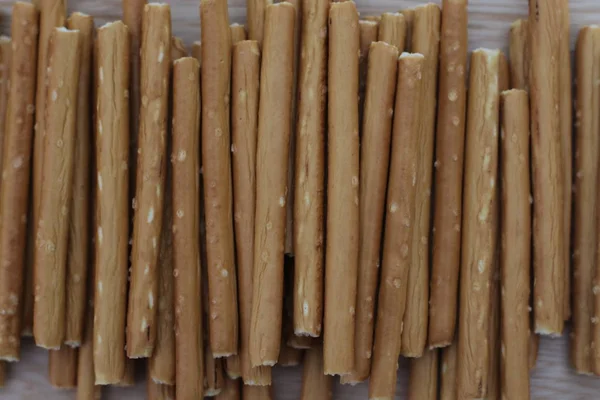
(489, 21)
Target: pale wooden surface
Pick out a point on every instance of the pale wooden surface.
(489, 22)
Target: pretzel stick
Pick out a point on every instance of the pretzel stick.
(399, 225)
(213, 378)
(310, 178)
(370, 18)
(369, 30)
(425, 40)
(256, 10)
(301, 342)
(62, 367)
(449, 154)
(315, 384)
(238, 33)
(52, 14)
(112, 202)
(257, 392)
(150, 182)
(86, 389)
(479, 233)
(548, 181)
(159, 391)
(230, 391)
(392, 30)
(494, 339)
(585, 196)
(448, 372)
(342, 190)
(178, 49)
(52, 238)
(519, 54)
(128, 378)
(423, 376)
(5, 57)
(216, 157)
(374, 158)
(516, 244)
(197, 51)
(409, 19)
(233, 366)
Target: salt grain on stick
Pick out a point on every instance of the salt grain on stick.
(315, 384)
(519, 54)
(271, 182)
(256, 10)
(392, 30)
(342, 190)
(448, 372)
(399, 225)
(14, 194)
(449, 155)
(545, 25)
(244, 117)
(425, 40)
(310, 174)
(62, 367)
(480, 224)
(515, 244)
(52, 238)
(216, 164)
(374, 158)
(423, 376)
(112, 202)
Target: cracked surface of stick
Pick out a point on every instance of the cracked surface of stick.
(310, 172)
(341, 270)
(449, 155)
(112, 202)
(244, 117)
(399, 225)
(374, 158)
(62, 367)
(448, 372)
(519, 54)
(515, 244)
(479, 232)
(150, 181)
(17, 150)
(315, 384)
(425, 40)
(392, 30)
(423, 376)
(271, 183)
(52, 14)
(255, 11)
(189, 348)
(79, 229)
(52, 238)
(545, 24)
(216, 165)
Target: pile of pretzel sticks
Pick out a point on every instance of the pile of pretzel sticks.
(309, 188)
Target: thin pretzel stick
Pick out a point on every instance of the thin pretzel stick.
(423, 376)
(231, 390)
(369, 31)
(392, 30)
(315, 384)
(448, 372)
(5, 57)
(86, 387)
(62, 367)
(256, 10)
(519, 54)
(159, 391)
(213, 378)
(257, 392)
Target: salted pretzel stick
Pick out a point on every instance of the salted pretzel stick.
(315, 384)
(14, 194)
(62, 367)
(244, 117)
(479, 232)
(189, 349)
(52, 238)
(238, 33)
(399, 225)
(448, 372)
(257, 392)
(392, 30)
(52, 14)
(342, 190)
(216, 164)
(310, 180)
(178, 49)
(256, 10)
(289, 215)
(519, 54)
(585, 195)
(112, 202)
(369, 30)
(516, 244)
(449, 155)
(545, 26)
(425, 40)
(77, 257)
(159, 391)
(271, 180)
(5, 57)
(86, 388)
(197, 51)
(213, 378)
(409, 19)
(374, 158)
(423, 376)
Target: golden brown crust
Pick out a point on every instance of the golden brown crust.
(374, 158)
(216, 164)
(315, 384)
(480, 224)
(515, 244)
(392, 30)
(519, 54)
(52, 237)
(448, 372)
(425, 40)
(14, 195)
(399, 225)
(449, 156)
(112, 202)
(341, 270)
(271, 182)
(423, 376)
(548, 181)
(310, 171)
